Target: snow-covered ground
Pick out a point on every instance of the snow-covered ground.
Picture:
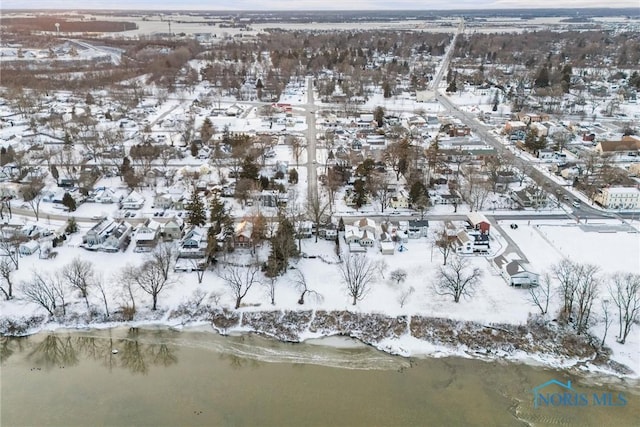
(543, 242)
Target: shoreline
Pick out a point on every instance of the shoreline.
(537, 343)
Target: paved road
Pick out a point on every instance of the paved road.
(524, 167)
(444, 66)
(312, 170)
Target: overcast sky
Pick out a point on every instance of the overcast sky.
(308, 4)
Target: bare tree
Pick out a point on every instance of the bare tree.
(150, 277)
(624, 290)
(100, 285)
(457, 279)
(164, 257)
(199, 266)
(443, 243)
(403, 298)
(9, 245)
(317, 211)
(239, 279)
(126, 278)
(296, 147)
(586, 292)
(48, 292)
(302, 286)
(6, 270)
(564, 271)
(32, 194)
(79, 274)
(606, 318)
(358, 273)
(540, 295)
(399, 275)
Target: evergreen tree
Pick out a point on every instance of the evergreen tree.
(360, 193)
(193, 147)
(72, 226)
(206, 131)
(54, 173)
(283, 247)
(196, 214)
(69, 202)
(221, 224)
(250, 169)
(293, 176)
(543, 78)
(378, 116)
(452, 86)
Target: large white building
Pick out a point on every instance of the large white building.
(618, 198)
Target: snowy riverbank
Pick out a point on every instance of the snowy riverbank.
(536, 343)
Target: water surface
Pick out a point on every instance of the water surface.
(161, 377)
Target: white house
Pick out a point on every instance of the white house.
(146, 236)
(520, 276)
(133, 201)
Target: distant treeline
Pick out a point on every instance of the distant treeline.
(45, 23)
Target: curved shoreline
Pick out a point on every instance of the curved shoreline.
(538, 342)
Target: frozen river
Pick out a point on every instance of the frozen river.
(159, 377)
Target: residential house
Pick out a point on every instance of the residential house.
(618, 198)
(400, 200)
(530, 197)
(628, 144)
(133, 201)
(105, 195)
(418, 228)
(366, 240)
(519, 275)
(464, 243)
(194, 244)
(366, 224)
(305, 229)
(147, 236)
(479, 222)
(172, 230)
(243, 234)
(119, 238)
(352, 234)
(107, 235)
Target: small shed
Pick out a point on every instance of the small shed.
(29, 247)
(387, 248)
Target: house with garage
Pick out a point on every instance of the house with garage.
(133, 201)
(147, 236)
(519, 274)
(479, 222)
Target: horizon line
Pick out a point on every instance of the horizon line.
(326, 10)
